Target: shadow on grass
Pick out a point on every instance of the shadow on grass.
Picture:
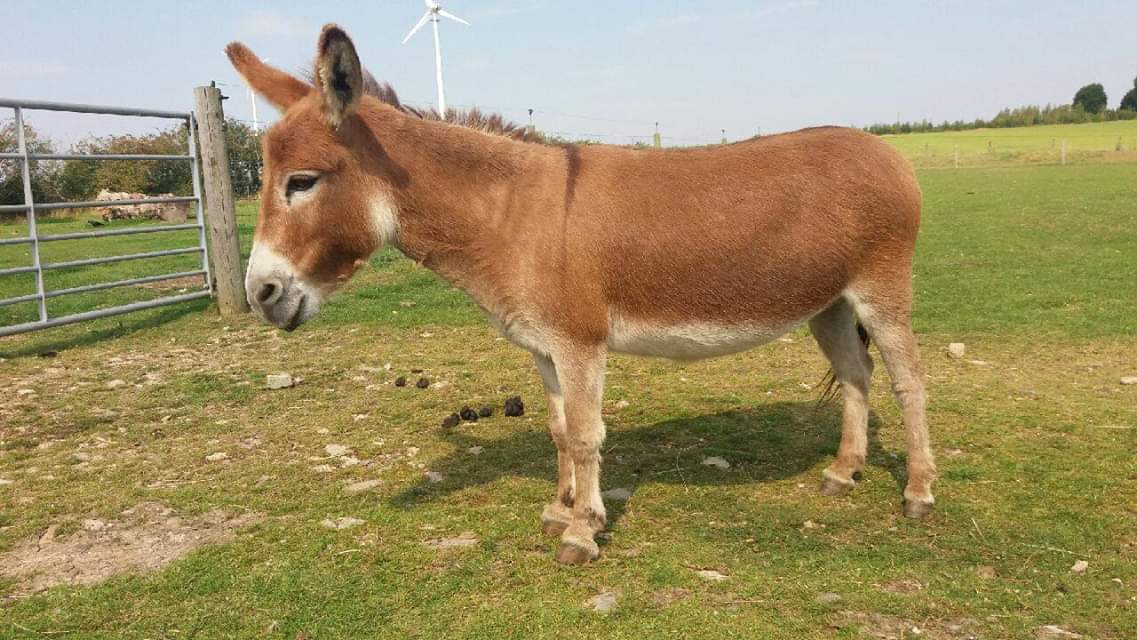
(765, 444)
(119, 326)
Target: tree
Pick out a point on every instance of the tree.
(244, 144)
(44, 173)
(1129, 102)
(1092, 98)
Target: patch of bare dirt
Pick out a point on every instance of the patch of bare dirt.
(144, 538)
(886, 627)
(670, 595)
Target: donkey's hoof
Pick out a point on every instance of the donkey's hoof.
(831, 485)
(917, 508)
(834, 487)
(577, 552)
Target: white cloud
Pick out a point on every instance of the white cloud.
(793, 5)
(268, 23)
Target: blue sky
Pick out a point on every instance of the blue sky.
(606, 70)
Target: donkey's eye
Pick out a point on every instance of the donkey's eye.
(298, 184)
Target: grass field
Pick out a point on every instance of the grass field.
(1094, 142)
(1032, 267)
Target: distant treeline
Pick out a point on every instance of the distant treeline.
(1019, 117)
(81, 180)
(1090, 104)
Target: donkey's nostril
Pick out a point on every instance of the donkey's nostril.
(266, 292)
(269, 293)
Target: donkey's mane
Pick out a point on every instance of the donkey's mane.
(473, 118)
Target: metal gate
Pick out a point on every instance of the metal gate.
(35, 239)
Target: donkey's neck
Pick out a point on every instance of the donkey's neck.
(454, 191)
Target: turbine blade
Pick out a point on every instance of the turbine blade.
(446, 14)
(422, 21)
(429, 4)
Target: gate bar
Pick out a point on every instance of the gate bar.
(100, 234)
(128, 256)
(195, 172)
(39, 105)
(30, 207)
(102, 285)
(94, 204)
(94, 156)
(100, 313)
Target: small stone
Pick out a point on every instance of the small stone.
(956, 350)
(217, 457)
(716, 461)
(986, 572)
(1054, 632)
(979, 363)
(401, 381)
(4, 481)
(279, 381)
(1080, 567)
(809, 524)
(1128, 380)
(387, 366)
(603, 603)
(94, 525)
(468, 414)
(348, 461)
(623, 404)
(422, 383)
(485, 412)
(711, 575)
(341, 523)
(360, 487)
(115, 384)
(451, 421)
(434, 476)
(828, 598)
(514, 407)
(476, 450)
(619, 493)
(336, 450)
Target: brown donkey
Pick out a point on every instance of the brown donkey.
(575, 251)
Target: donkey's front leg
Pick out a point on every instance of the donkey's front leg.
(581, 374)
(557, 514)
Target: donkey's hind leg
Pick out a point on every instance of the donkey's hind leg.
(888, 320)
(835, 330)
(558, 513)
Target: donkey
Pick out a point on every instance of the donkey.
(576, 251)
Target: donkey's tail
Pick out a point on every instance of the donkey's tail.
(829, 385)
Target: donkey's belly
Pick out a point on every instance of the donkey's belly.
(687, 341)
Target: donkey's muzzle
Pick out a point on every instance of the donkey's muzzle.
(281, 302)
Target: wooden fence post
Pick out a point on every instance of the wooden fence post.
(1063, 151)
(220, 211)
(957, 156)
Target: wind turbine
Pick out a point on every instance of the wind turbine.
(433, 14)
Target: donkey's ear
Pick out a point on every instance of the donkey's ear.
(339, 75)
(281, 89)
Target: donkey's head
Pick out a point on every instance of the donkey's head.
(326, 200)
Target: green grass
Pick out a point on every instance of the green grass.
(1093, 142)
(1032, 267)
